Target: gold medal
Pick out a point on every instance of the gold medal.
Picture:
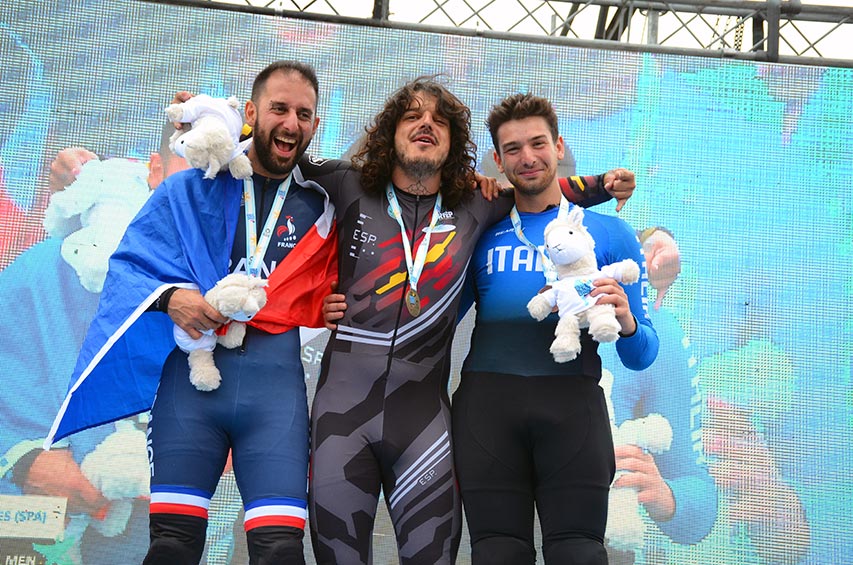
(413, 302)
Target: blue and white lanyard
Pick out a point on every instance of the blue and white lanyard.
(255, 248)
(548, 267)
(416, 267)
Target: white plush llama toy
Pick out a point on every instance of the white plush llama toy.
(213, 143)
(571, 248)
(237, 296)
(626, 527)
(92, 214)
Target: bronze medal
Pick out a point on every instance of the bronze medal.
(413, 302)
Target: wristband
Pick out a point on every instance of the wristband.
(162, 302)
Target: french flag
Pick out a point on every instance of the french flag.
(182, 237)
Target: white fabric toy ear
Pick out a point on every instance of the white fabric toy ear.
(575, 216)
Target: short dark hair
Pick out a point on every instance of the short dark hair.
(376, 155)
(518, 107)
(304, 70)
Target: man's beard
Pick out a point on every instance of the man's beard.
(418, 168)
(531, 188)
(271, 163)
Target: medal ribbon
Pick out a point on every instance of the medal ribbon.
(416, 267)
(255, 248)
(547, 265)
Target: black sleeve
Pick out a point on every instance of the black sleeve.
(162, 302)
(328, 173)
(21, 469)
(584, 191)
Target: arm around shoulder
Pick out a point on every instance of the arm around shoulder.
(584, 191)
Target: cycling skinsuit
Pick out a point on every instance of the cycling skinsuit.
(528, 431)
(381, 416)
(259, 411)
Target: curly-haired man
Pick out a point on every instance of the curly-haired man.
(408, 222)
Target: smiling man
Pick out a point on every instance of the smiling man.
(407, 225)
(192, 232)
(421, 141)
(407, 217)
(263, 388)
(282, 114)
(530, 432)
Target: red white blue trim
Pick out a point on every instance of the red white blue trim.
(276, 512)
(170, 499)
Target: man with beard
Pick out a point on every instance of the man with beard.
(529, 432)
(407, 225)
(190, 234)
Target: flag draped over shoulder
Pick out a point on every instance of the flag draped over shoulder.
(181, 237)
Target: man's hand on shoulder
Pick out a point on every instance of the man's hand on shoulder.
(489, 187)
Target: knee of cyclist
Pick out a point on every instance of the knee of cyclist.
(276, 545)
(170, 551)
(502, 550)
(578, 551)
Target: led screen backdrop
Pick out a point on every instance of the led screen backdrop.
(746, 166)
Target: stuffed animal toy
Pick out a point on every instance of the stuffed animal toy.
(626, 526)
(237, 296)
(213, 142)
(571, 248)
(118, 467)
(93, 212)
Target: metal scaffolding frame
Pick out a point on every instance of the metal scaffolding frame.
(783, 31)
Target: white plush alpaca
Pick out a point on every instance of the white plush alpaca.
(93, 212)
(213, 143)
(118, 467)
(626, 527)
(571, 248)
(237, 296)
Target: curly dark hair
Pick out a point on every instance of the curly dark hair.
(518, 107)
(376, 156)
